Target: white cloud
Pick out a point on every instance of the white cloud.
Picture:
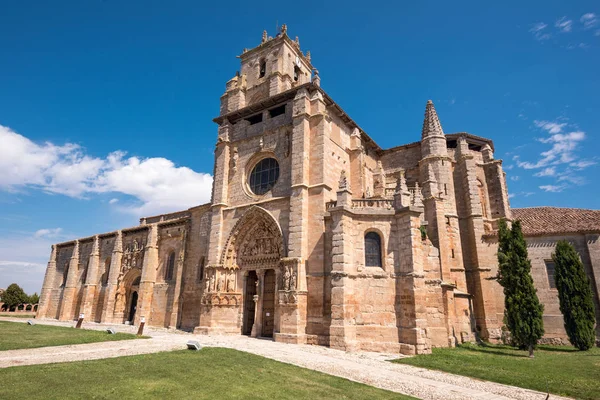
(23, 260)
(579, 165)
(49, 233)
(113, 201)
(157, 184)
(553, 188)
(550, 171)
(564, 24)
(514, 178)
(588, 20)
(551, 127)
(538, 31)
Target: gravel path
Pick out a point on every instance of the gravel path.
(369, 368)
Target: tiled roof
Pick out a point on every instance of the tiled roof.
(548, 220)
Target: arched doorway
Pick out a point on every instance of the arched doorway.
(133, 300)
(255, 248)
(249, 303)
(132, 307)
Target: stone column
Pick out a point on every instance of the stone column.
(48, 286)
(91, 280)
(481, 261)
(175, 310)
(297, 241)
(66, 310)
(257, 327)
(411, 293)
(108, 308)
(148, 276)
(342, 332)
(220, 195)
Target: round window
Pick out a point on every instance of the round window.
(264, 175)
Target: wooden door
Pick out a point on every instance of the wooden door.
(268, 316)
(249, 304)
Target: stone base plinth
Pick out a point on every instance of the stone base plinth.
(289, 338)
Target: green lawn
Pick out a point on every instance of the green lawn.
(211, 373)
(17, 335)
(560, 369)
(17, 315)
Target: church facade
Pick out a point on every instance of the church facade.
(314, 234)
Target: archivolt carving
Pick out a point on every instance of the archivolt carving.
(254, 242)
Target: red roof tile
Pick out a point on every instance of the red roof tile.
(555, 220)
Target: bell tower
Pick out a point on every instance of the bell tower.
(277, 64)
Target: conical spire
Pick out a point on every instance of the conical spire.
(431, 123)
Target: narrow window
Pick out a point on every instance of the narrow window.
(200, 276)
(372, 250)
(262, 69)
(170, 266)
(255, 119)
(273, 112)
(65, 274)
(104, 279)
(550, 270)
(296, 73)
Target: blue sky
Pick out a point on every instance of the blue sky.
(106, 107)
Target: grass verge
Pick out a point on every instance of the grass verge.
(211, 373)
(559, 369)
(17, 335)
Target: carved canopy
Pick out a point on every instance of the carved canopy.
(255, 242)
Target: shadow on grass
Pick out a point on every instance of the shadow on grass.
(564, 349)
(490, 349)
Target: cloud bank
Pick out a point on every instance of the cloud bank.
(156, 184)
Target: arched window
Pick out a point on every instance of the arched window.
(170, 266)
(262, 69)
(104, 278)
(372, 250)
(200, 276)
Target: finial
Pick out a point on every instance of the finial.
(283, 29)
(316, 79)
(343, 185)
(307, 55)
(264, 36)
(297, 41)
(431, 122)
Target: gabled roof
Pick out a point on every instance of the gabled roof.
(538, 221)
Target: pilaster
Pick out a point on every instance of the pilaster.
(175, 308)
(91, 280)
(108, 308)
(66, 311)
(148, 277)
(48, 286)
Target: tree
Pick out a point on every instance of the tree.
(34, 298)
(575, 296)
(522, 308)
(13, 296)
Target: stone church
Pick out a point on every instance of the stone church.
(314, 234)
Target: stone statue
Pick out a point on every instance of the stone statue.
(264, 36)
(293, 281)
(229, 283)
(283, 29)
(212, 281)
(286, 279)
(343, 184)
